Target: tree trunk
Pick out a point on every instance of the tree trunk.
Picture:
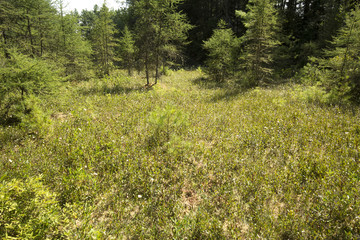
(147, 68)
(157, 68)
(6, 53)
(30, 35)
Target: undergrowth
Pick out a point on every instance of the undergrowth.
(182, 160)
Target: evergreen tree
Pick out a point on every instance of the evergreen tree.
(259, 39)
(8, 27)
(145, 34)
(103, 41)
(205, 15)
(23, 77)
(127, 50)
(87, 21)
(72, 50)
(160, 30)
(27, 25)
(221, 46)
(339, 72)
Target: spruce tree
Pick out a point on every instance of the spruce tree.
(127, 50)
(72, 51)
(259, 40)
(338, 73)
(160, 31)
(27, 25)
(220, 47)
(103, 41)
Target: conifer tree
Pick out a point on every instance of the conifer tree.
(339, 72)
(127, 50)
(104, 41)
(8, 16)
(259, 39)
(160, 30)
(72, 50)
(220, 47)
(27, 25)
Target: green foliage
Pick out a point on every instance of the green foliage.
(28, 210)
(160, 32)
(23, 78)
(127, 50)
(221, 47)
(73, 52)
(338, 73)
(261, 22)
(166, 123)
(28, 26)
(103, 41)
(190, 161)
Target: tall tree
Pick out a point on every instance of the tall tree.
(339, 72)
(127, 50)
(9, 16)
(72, 50)
(87, 21)
(104, 41)
(160, 30)
(27, 25)
(205, 15)
(260, 39)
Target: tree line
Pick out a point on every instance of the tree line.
(264, 40)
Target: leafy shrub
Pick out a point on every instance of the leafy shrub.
(28, 210)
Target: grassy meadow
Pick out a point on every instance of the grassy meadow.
(185, 159)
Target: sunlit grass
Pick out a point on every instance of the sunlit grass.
(190, 159)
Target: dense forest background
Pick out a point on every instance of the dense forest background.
(253, 42)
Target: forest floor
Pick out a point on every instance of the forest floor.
(190, 159)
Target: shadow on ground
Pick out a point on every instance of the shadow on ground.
(9, 121)
(226, 91)
(116, 89)
(227, 94)
(208, 83)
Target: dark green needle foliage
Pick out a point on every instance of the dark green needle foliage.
(338, 73)
(221, 48)
(22, 78)
(261, 22)
(103, 41)
(127, 50)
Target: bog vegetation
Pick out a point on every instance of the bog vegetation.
(105, 135)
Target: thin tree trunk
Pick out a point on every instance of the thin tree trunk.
(30, 35)
(157, 68)
(41, 40)
(7, 55)
(147, 68)
(342, 72)
(157, 54)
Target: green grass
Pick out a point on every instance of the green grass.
(187, 159)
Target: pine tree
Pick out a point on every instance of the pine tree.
(27, 25)
(339, 72)
(259, 39)
(71, 49)
(145, 34)
(103, 41)
(23, 77)
(160, 30)
(8, 29)
(127, 50)
(220, 47)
